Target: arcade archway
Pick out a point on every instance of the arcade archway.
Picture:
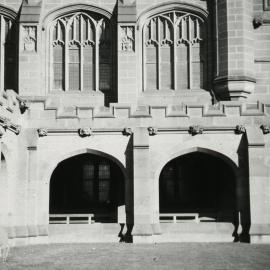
(199, 183)
(87, 183)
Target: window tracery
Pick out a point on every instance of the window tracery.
(8, 53)
(174, 51)
(81, 53)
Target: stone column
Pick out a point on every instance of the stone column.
(142, 230)
(19, 186)
(32, 192)
(259, 185)
(127, 55)
(235, 63)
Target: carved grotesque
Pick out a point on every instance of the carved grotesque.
(265, 129)
(127, 132)
(42, 132)
(85, 132)
(23, 106)
(195, 130)
(257, 21)
(240, 129)
(152, 131)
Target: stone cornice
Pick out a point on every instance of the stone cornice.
(187, 109)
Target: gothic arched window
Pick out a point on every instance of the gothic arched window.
(81, 54)
(8, 53)
(174, 52)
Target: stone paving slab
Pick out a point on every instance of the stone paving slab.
(184, 256)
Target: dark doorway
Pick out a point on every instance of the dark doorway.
(87, 183)
(199, 183)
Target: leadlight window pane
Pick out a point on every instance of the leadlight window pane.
(88, 171)
(58, 67)
(104, 171)
(196, 66)
(104, 191)
(182, 66)
(88, 188)
(169, 181)
(166, 68)
(74, 67)
(105, 67)
(151, 67)
(88, 67)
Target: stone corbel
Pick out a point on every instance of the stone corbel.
(85, 132)
(152, 131)
(195, 130)
(240, 129)
(265, 129)
(42, 132)
(127, 132)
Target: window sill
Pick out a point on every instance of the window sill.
(180, 92)
(75, 93)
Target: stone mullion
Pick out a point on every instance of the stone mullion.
(97, 57)
(66, 58)
(2, 52)
(32, 191)
(144, 54)
(174, 57)
(189, 56)
(158, 56)
(51, 63)
(81, 55)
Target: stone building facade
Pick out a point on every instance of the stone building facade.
(131, 110)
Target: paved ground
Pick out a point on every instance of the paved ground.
(182, 256)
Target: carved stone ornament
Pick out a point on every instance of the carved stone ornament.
(29, 38)
(85, 132)
(17, 129)
(240, 129)
(127, 132)
(195, 130)
(127, 40)
(23, 105)
(265, 129)
(152, 131)
(42, 132)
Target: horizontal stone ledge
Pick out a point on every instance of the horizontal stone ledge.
(120, 131)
